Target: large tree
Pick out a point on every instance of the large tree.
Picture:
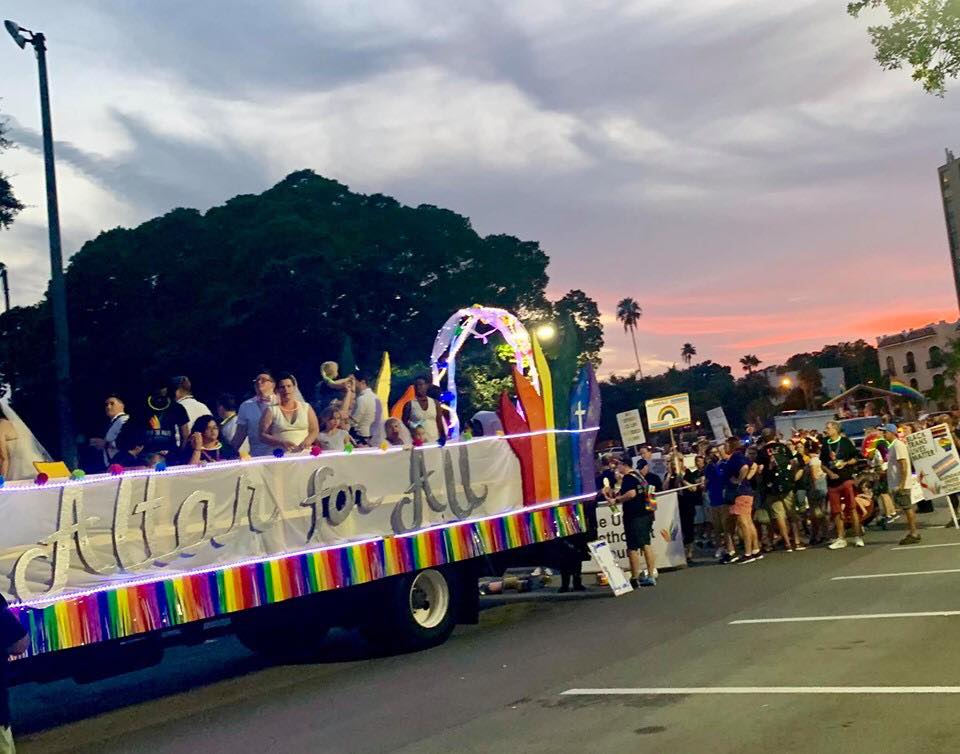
(9, 206)
(687, 352)
(585, 314)
(921, 34)
(628, 314)
(275, 279)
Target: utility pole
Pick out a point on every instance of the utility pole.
(58, 292)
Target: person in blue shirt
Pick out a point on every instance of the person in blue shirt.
(715, 474)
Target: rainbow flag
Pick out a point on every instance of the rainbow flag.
(906, 391)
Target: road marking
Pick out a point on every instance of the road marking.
(862, 616)
(684, 691)
(891, 575)
(925, 547)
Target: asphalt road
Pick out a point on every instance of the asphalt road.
(674, 651)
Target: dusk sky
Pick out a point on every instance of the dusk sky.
(743, 168)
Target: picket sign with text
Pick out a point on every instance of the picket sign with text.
(631, 428)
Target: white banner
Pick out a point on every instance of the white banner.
(667, 541)
(71, 536)
(719, 424)
(668, 413)
(631, 428)
(935, 461)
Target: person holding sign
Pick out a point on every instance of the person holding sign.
(900, 480)
(636, 495)
(839, 457)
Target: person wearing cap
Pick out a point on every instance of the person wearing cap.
(635, 497)
(900, 480)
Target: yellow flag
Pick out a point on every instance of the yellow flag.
(383, 380)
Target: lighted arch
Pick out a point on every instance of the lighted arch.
(478, 322)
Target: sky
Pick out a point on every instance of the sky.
(742, 168)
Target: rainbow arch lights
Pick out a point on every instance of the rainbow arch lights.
(480, 322)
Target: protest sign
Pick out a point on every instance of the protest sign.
(668, 413)
(719, 424)
(631, 428)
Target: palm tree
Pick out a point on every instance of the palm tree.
(750, 362)
(687, 352)
(628, 314)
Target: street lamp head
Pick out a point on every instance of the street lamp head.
(14, 31)
(546, 332)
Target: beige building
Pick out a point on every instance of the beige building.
(915, 357)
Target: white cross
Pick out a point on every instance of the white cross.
(580, 413)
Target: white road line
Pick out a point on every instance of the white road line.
(863, 616)
(683, 691)
(924, 547)
(891, 575)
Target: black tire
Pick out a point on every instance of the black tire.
(417, 611)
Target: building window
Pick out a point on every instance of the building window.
(936, 358)
(914, 384)
(938, 381)
(891, 367)
(911, 365)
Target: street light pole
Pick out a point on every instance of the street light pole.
(58, 293)
(5, 282)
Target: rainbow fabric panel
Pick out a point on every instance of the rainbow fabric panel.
(131, 610)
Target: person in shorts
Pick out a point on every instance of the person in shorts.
(741, 471)
(839, 456)
(816, 480)
(719, 509)
(777, 486)
(900, 481)
(639, 508)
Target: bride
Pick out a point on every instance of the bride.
(18, 447)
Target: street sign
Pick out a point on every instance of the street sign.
(668, 413)
(631, 428)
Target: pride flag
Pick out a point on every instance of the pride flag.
(906, 391)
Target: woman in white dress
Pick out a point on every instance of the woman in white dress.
(424, 412)
(291, 423)
(18, 447)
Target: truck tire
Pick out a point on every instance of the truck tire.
(418, 611)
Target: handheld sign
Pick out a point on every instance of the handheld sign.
(603, 557)
(668, 413)
(631, 428)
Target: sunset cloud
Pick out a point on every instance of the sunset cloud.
(742, 168)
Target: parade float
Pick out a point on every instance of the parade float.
(281, 548)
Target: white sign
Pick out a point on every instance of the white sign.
(65, 537)
(668, 413)
(719, 424)
(935, 461)
(603, 557)
(667, 541)
(631, 428)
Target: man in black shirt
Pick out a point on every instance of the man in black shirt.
(839, 458)
(636, 496)
(13, 641)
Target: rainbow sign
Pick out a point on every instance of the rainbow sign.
(669, 412)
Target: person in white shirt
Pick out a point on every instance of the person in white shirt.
(117, 416)
(183, 393)
(424, 412)
(900, 480)
(250, 413)
(366, 410)
(332, 436)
